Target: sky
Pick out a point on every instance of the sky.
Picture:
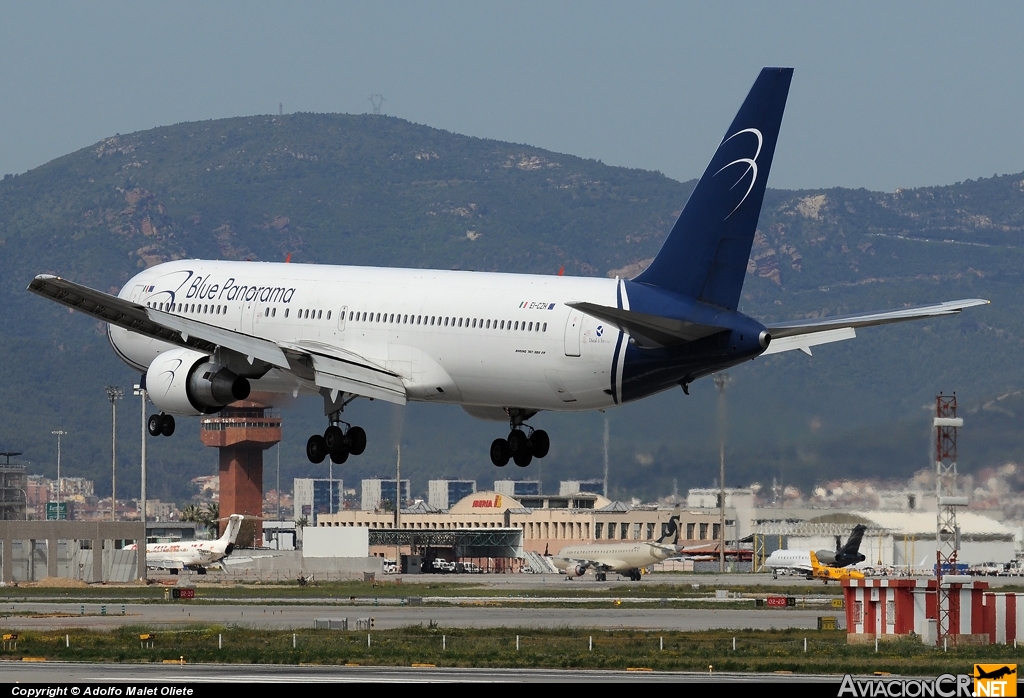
(884, 95)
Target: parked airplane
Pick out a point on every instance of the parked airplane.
(623, 558)
(503, 346)
(195, 555)
(822, 564)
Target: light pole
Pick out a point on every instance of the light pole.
(140, 391)
(59, 433)
(721, 380)
(114, 393)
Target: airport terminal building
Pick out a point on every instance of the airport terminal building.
(547, 522)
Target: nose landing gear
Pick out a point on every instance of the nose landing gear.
(520, 446)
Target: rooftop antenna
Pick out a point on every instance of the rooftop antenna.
(280, 108)
(376, 101)
(8, 455)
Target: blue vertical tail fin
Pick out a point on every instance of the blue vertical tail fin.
(705, 256)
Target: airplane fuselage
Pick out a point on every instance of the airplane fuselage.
(471, 338)
(615, 558)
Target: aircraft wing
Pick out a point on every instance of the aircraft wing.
(325, 366)
(604, 564)
(804, 334)
(164, 563)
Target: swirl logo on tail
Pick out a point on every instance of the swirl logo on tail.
(751, 165)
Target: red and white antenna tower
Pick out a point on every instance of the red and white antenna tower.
(947, 531)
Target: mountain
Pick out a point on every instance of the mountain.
(377, 190)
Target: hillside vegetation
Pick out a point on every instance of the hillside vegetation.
(375, 190)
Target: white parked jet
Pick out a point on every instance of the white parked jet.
(820, 563)
(622, 558)
(503, 346)
(195, 555)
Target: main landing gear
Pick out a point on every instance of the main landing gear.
(160, 424)
(520, 446)
(337, 442)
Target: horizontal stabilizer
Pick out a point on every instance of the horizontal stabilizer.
(885, 317)
(649, 331)
(804, 334)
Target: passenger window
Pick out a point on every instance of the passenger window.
(273, 312)
(320, 315)
(266, 312)
(460, 322)
(474, 323)
(545, 327)
(517, 325)
(286, 312)
(328, 314)
(531, 326)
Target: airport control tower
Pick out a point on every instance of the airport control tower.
(242, 431)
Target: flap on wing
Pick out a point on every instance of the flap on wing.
(649, 331)
(337, 369)
(803, 327)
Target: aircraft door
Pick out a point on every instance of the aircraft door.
(573, 327)
(137, 293)
(341, 318)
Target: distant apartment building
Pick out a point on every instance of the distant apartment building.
(312, 497)
(13, 495)
(566, 487)
(442, 494)
(518, 488)
(376, 492)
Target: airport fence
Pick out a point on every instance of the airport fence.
(714, 651)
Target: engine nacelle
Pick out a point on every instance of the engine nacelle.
(182, 381)
(575, 570)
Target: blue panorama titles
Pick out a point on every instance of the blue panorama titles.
(202, 289)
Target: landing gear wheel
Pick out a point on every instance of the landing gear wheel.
(523, 459)
(539, 443)
(356, 441)
(601, 577)
(339, 455)
(518, 443)
(316, 449)
(334, 437)
(500, 452)
(154, 425)
(166, 424)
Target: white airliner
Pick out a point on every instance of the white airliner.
(822, 564)
(627, 559)
(195, 555)
(503, 346)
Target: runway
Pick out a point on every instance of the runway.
(51, 616)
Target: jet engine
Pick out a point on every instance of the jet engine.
(182, 381)
(575, 570)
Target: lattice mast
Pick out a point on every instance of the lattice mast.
(947, 531)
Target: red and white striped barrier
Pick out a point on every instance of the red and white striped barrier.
(1004, 616)
(880, 608)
